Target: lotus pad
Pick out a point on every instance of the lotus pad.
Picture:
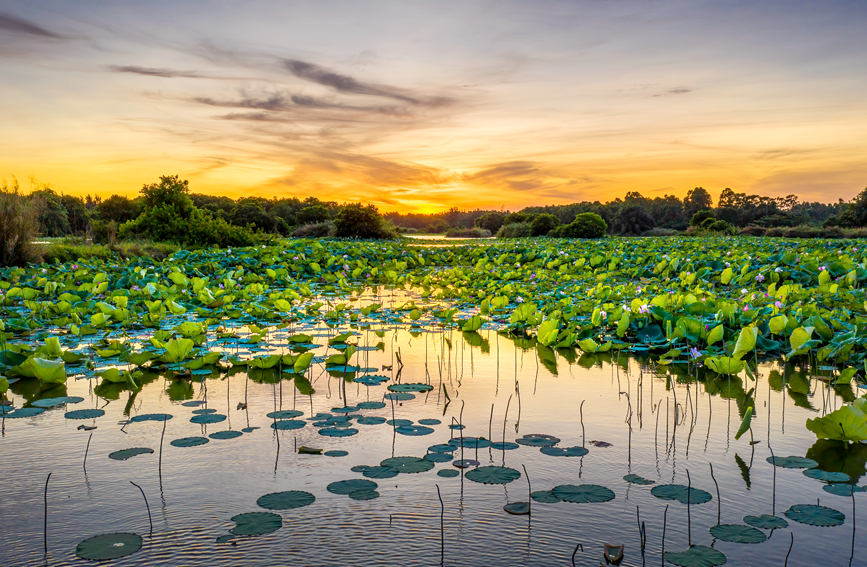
(407, 464)
(410, 387)
(517, 508)
(696, 556)
(582, 494)
(193, 403)
(84, 414)
(287, 424)
(125, 454)
(364, 495)
(414, 430)
(108, 546)
(203, 411)
(399, 422)
(737, 533)
(470, 442)
(256, 523)
(538, 440)
(841, 489)
(345, 409)
(545, 496)
(370, 420)
(23, 412)
(150, 417)
(503, 445)
(370, 405)
(793, 462)
(766, 522)
(189, 441)
(827, 476)
(429, 421)
(399, 396)
(284, 414)
(379, 472)
(226, 434)
(465, 463)
(53, 402)
(679, 492)
(493, 475)
(438, 457)
(337, 431)
(448, 473)
(636, 479)
(336, 453)
(352, 485)
(208, 418)
(564, 451)
(285, 500)
(441, 448)
(815, 515)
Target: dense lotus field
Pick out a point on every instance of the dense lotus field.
(711, 308)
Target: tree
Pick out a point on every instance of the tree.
(76, 212)
(171, 192)
(632, 220)
(53, 218)
(696, 200)
(854, 213)
(312, 214)
(543, 223)
(118, 208)
(492, 221)
(585, 225)
(359, 221)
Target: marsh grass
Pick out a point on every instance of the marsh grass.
(18, 224)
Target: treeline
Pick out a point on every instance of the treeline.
(639, 215)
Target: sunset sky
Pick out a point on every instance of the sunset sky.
(426, 105)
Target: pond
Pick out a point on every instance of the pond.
(637, 420)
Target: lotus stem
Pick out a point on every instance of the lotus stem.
(442, 526)
(773, 482)
(45, 516)
(688, 516)
(150, 520)
(86, 449)
(718, 501)
(664, 524)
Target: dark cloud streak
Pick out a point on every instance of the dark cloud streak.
(14, 24)
(155, 72)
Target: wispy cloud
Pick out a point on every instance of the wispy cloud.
(13, 24)
(155, 72)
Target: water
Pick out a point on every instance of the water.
(198, 489)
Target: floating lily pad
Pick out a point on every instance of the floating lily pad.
(696, 556)
(364, 495)
(564, 451)
(410, 387)
(108, 546)
(737, 533)
(827, 476)
(441, 448)
(582, 494)
(150, 417)
(337, 431)
(793, 462)
(815, 515)
(399, 422)
(545, 496)
(284, 414)
(429, 421)
(370, 405)
(203, 411)
(438, 457)
(504, 446)
(288, 424)
(538, 440)
(636, 479)
(345, 409)
(193, 403)
(493, 475)
(208, 418)
(125, 454)
(841, 489)
(249, 429)
(399, 396)
(370, 420)
(189, 441)
(83, 413)
(679, 493)
(448, 473)
(371, 380)
(413, 430)
(470, 442)
(54, 402)
(256, 523)
(407, 464)
(336, 453)
(457, 426)
(226, 434)
(345, 487)
(360, 468)
(766, 522)
(25, 412)
(380, 472)
(465, 463)
(285, 500)
(517, 508)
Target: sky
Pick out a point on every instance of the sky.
(425, 105)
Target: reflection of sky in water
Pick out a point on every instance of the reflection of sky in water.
(204, 486)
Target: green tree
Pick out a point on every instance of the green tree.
(696, 200)
(118, 208)
(492, 221)
(359, 221)
(53, 218)
(543, 223)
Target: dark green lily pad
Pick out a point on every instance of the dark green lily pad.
(827, 476)
(407, 464)
(696, 556)
(678, 492)
(54, 402)
(284, 414)
(465, 463)
(249, 429)
(517, 508)
(108, 546)
(429, 421)
(83, 414)
(815, 515)
(189, 441)
(370, 405)
(413, 430)
(737, 533)
(793, 462)
(364, 495)
(208, 418)
(288, 424)
(399, 396)
(441, 448)
(345, 487)
(370, 420)
(493, 475)
(583, 493)
(23, 412)
(538, 440)
(399, 422)
(336, 453)
(285, 500)
(438, 457)
(203, 411)
(470, 442)
(564, 451)
(636, 479)
(345, 409)
(226, 434)
(256, 523)
(503, 445)
(448, 473)
(150, 417)
(360, 468)
(337, 431)
(125, 454)
(766, 522)
(379, 472)
(193, 403)
(410, 387)
(545, 496)
(842, 489)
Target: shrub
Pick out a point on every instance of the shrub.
(721, 226)
(515, 230)
(543, 223)
(359, 221)
(18, 221)
(701, 216)
(104, 232)
(754, 230)
(491, 221)
(632, 220)
(315, 230)
(585, 225)
(475, 232)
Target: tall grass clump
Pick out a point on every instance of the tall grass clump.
(18, 223)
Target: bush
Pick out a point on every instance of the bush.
(491, 221)
(701, 216)
(475, 232)
(515, 230)
(632, 220)
(315, 230)
(18, 222)
(754, 230)
(543, 223)
(104, 232)
(359, 221)
(721, 226)
(585, 225)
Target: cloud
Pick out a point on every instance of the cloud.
(155, 72)
(274, 102)
(675, 91)
(516, 175)
(14, 24)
